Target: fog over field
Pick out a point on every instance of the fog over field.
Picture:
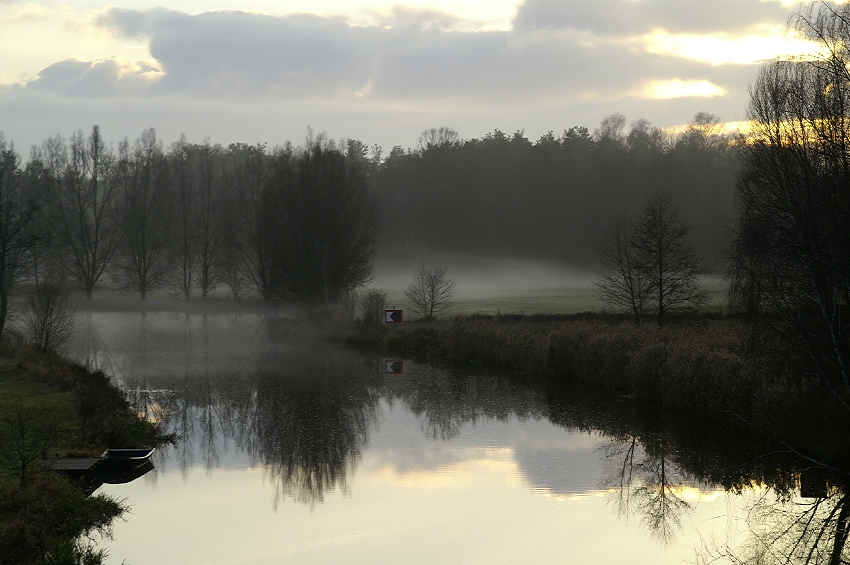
(479, 277)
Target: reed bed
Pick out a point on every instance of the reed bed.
(708, 367)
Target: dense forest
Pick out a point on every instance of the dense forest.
(503, 195)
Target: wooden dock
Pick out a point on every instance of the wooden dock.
(78, 464)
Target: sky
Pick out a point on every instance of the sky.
(375, 70)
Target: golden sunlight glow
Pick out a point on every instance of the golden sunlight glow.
(16, 14)
(732, 128)
(475, 15)
(722, 49)
(145, 68)
(676, 88)
(477, 461)
(35, 37)
(740, 126)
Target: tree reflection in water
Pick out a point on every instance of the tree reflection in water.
(655, 456)
(304, 412)
(447, 399)
(648, 485)
(784, 528)
(308, 424)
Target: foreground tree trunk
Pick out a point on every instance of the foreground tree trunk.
(17, 212)
(790, 259)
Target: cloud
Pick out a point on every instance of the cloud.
(675, 88)
(638, 17)
(242, 54)
(15, 13)
(414, 56)
(254, 77)
(132, 23)
(100, 78)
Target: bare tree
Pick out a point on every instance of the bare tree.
(82, 204)
(233, 270)
(50, 318)
(651, 266)
(790, 258)
(372, 306)
(183, 182)
(668, 264)
(143, 210)
(434, 138)
(252, 219)
(610, 132)
(644, 139)
(620, 282)
(431, 292)
(210, 242)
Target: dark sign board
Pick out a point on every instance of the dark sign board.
(393, 367)
(392, 316)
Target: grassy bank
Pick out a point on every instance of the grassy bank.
(50, 407)
(711, 366)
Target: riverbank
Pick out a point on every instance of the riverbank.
(51, 407)
(711, 366)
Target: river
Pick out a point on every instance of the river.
(294, 451)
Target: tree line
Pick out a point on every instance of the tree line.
(504, 195)
(189, 218)
(300, 223)
(293, 223)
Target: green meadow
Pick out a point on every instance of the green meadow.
(568, 299)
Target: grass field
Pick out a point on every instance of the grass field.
(484, 292)
(22, 396)
(567, 299)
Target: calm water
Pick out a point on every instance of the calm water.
(294, 452)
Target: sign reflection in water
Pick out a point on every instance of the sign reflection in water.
(309, 416)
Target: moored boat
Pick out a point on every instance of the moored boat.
(127, 455)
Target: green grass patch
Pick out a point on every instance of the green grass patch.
(51, 407)
(569, 299)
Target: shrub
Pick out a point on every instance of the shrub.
(372, 306)
(50, 515)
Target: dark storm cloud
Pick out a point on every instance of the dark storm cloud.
(636, 17)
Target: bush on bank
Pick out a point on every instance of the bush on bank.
(44, 517)
(104, 417)
(48, 521)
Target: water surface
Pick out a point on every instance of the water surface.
(297, 452)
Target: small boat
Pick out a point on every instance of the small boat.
(127, 455)
(120, 474)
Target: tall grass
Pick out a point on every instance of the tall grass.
(710, 368)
